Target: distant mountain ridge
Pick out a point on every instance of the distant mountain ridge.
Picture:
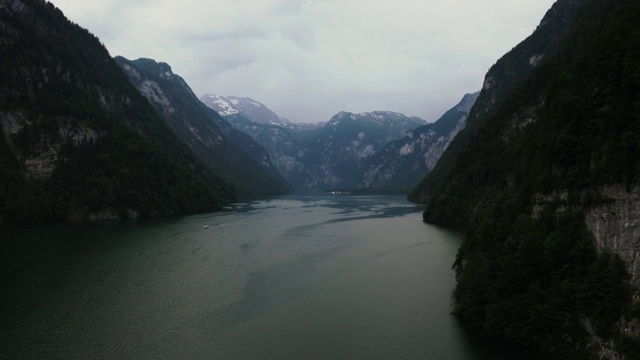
(325, 155)
(344, 143)
(402, 163)
(231, 105)
(306, 156)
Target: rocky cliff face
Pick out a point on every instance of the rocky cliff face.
(615, 225)
(158, 84)
(42, 158)
(402, 163)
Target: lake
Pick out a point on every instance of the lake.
(296, 277)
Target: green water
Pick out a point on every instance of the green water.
(289, 278)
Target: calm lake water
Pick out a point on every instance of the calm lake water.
(289, 278)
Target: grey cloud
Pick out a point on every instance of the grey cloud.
(301, 35)
(310, 59)
(217, 61)
(288, 7)
(295, 7)
(213, 36)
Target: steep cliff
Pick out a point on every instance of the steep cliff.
(546, 187)
(615, 225)
(499, 81)
(78, 140)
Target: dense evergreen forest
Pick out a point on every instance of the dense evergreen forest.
(77, 139)
(528, 269)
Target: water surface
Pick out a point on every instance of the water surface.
(289, 278)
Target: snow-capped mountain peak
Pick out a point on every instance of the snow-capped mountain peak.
(222, 105)
(376, 117)
(252, 109)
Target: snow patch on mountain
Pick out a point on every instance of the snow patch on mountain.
(221, 105)
(232, 105)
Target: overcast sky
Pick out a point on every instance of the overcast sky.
(310, 59)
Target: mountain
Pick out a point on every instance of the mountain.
(501, 78)
(303, 126)
(548, 189)
(231, 154)
(343, 144)
(77, 139)
(320, 156)
(402, 163)
(331, 156)
(232, 105)
(243, 112)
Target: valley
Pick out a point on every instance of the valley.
(529, 190)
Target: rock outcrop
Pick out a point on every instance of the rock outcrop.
(615, 225)
(401, 163)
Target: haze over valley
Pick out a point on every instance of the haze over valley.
(387, 180)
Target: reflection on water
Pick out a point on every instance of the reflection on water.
(344, 277)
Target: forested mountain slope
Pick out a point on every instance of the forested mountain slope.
(78, 140)
(501, 78)
(548, 189)
(233, 155)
